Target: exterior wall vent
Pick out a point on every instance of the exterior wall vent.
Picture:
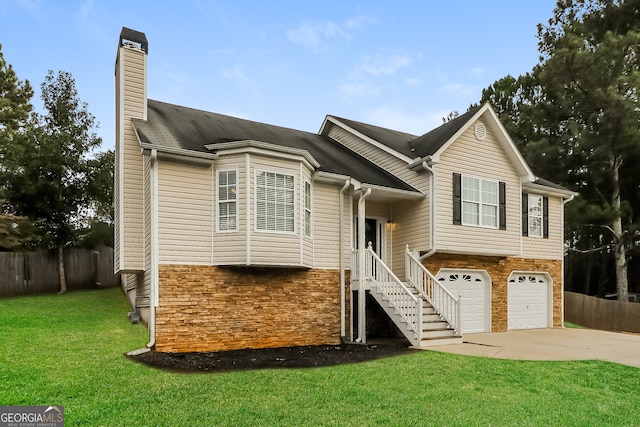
(480, 131)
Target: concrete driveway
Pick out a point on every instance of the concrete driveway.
(551, 344)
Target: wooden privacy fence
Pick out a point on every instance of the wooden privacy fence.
(28, 273)
(598, 313)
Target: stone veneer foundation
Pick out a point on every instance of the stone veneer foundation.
(211, 308)
(499, 269)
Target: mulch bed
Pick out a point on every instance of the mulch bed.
(285, 357)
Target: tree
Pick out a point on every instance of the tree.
(48, 168)
(99, 231)
(591, 71)
(576, 118)
(15, 105)
(15, 232)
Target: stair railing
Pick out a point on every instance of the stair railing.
(442, 300)
(407, 305)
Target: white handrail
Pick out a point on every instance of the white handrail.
(442, 300)
(407, 305)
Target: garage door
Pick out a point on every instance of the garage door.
(528, 301)
(473, 287)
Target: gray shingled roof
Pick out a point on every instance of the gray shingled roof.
(409, 145)
(398, 141)
(190, 129)
(431, 142)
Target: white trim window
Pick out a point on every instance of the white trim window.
(275, 202)
(535, 215)
(480, 201)
(307, 209)
(227, 200)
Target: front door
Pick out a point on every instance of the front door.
(373, 232)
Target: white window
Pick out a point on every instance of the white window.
(479, 202)
(227, 200)
(535, 215)
(275, 202)
(307, 209)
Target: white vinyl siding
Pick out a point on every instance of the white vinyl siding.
(535, 215)
(378, 156)
(486, 159)
(231, 247)
(412, 217)
(326, 231)
(227, 200)
(307, 209)
(479, 202)
(185, 204)
(128, 206)
(275, 202)
(551, 248)
(147, 212)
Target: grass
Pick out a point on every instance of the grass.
(68, 350)
(573, 325)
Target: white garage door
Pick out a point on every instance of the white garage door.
(528, 301)
(473, 287)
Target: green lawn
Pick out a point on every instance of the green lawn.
(68, 350)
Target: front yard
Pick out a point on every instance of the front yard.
(68, 350)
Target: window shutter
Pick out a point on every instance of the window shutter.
(525, 214)
(545, 217)
(502, 209)
(457, 199)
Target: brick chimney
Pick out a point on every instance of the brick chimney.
(130, 102)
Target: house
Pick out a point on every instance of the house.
(235, 234)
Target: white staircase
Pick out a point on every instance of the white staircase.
(434, 330)
(425, 312)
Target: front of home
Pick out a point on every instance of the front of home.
(235, 234)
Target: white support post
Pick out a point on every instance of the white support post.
(362, 334)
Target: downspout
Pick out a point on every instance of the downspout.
(362, 335)
(153, 217)
(564, 202)
(343, 302)
(432, 212)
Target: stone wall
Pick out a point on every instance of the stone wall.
(210, 308)
(499, 269)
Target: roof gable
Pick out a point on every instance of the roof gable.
(431, 145)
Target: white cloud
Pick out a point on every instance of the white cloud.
(413, 81)
(359, 22)
(315, 35)
(382, 64)
(235, 74)
(458, 89)
(478, 71)
(318, 35)
(85, 8)
(358, 90)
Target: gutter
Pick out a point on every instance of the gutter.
(432, 211)
(343, 328)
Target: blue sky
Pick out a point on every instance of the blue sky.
(402, 64)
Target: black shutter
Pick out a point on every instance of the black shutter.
(545, 217)
(525, 214)
(457, 199)
(502, 209)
